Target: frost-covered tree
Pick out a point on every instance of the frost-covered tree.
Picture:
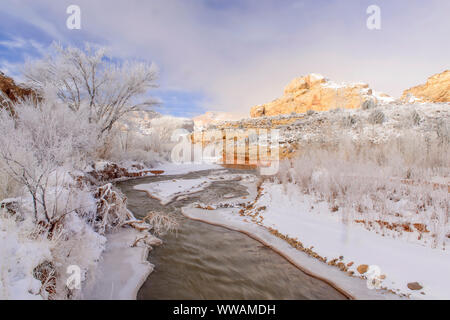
(88, 78)
(39, 139)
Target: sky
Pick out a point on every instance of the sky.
(229, 55)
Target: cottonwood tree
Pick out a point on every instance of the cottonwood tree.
(35, 142)
(88, 78)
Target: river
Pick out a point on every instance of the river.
(201, 261)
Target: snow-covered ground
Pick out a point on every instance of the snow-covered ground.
(227, 214)
(123, 268)
(312, 223)
(363, 263)
(166, 191)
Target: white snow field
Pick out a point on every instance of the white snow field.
(400, 260)
(166, 191)
(123, 267)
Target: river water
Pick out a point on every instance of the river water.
(201, 261)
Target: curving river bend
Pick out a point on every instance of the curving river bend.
(202, 261)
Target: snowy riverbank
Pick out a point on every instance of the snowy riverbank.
(123, 268)
(353, 288)
(399, 263)
(318, 242)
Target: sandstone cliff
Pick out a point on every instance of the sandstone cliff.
(314, 92)
(436, 89)
(12, 90)
(214, 117)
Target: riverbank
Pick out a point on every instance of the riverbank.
(228, 214)
(318, 243)
(347, 256)
(123, 268)
(352, 288)
(201, 261)
(124, 265)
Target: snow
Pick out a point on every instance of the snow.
(18, 257)
(316, 76)
(229, 218)
(396, 261)
(166, 191)
(122, 270)
(401, 261)
(383, 98)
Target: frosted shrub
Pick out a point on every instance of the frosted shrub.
(348, 121)
(162, 223)
(147, 146)
(415, 118)
(368, 104)
(376, 117)
(88, 79)
(38, 140)
(443, 131)
(387, 186)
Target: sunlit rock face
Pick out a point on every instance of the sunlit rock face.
(315, 92)
(214, 117)
(12, 90)
(436, 89)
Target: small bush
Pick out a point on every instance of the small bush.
(368, 104)
(376, 117)
(162, 223)
(415, 118)
(348, 121)
(443, 131)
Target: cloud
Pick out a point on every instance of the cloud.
(242, 53)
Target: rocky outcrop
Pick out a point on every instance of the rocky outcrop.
(436, 89)
(314, 92)
(12, 90)
(103, 171)
(214, 117)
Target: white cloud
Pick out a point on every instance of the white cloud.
(245, 52)
(12, 70)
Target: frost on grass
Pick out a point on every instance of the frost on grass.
(367, 192)
(53, 216)
(392, 187)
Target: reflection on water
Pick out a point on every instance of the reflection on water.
(208, 262)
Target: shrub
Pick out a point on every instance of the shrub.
(369, 104)
(376, 117)
(415, 118)
(348, 121)
(366, 181)
(88, 79)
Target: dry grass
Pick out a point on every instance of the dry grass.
(389, 187)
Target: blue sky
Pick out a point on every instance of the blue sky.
(231, 55)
